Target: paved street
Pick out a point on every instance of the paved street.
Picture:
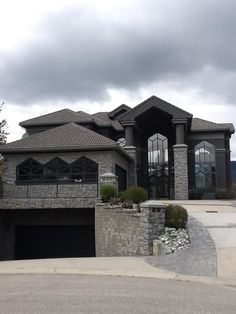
(104, 294)
(190, 285)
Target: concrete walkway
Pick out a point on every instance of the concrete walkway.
(218, 217)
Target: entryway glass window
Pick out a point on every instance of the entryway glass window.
(158, 169)
(204, 166)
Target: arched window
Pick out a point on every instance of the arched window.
(204, 166)
(29, 170)
(84, 170)
(56, 170)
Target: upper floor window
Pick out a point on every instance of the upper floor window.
(83, 170)
(204, 166)
(29, 170)
(57, 169)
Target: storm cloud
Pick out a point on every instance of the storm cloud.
(79, 53)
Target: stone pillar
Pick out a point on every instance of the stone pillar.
(129, 135)
(132, 168)
(152, 225)
(108, 179)
(180, 134)
(181, 171)
(129, 132)
(227, 161)
(221, 168)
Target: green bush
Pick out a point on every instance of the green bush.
(136, 194)
(121, 196)
(195, 195)
(222, 194)
(176, 216)
(107, 192)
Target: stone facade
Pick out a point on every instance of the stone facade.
(121, 232)
(181, 171)
(74, 195)
(152, 225)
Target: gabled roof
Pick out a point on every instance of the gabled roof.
(118, 111)
(68, 137)
(158, 103)
(207, 126)
(65, 116)
(57, 118)
(103, 116)
(93, 119)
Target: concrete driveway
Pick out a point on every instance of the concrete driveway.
(220, 219)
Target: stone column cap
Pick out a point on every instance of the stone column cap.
(180, 146)
(152, 204)
(129, 147)
(108, 175)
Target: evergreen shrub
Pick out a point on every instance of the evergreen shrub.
(176, 216)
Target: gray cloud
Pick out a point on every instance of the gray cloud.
(77, 54)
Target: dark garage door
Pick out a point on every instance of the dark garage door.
(54, 241)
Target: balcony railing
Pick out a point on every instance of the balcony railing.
(44, 189)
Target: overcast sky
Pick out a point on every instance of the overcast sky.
(95, 55)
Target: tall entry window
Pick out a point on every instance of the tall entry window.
(158, 170)
(204, 166)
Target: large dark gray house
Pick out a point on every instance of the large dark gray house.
(52, 175)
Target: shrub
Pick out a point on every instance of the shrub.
(121, 196)
(107, 192)
(222, 194)
(176, 216)
(195, 195)
(136, 194)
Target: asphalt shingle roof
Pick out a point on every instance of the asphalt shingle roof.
(103, 116)
(58, 117)
(68, 137)
(204, 125)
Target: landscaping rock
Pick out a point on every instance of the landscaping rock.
(171, 241)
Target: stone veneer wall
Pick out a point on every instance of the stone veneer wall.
(50, 190)
(120, 232)
(181, 171)
(85, 194)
